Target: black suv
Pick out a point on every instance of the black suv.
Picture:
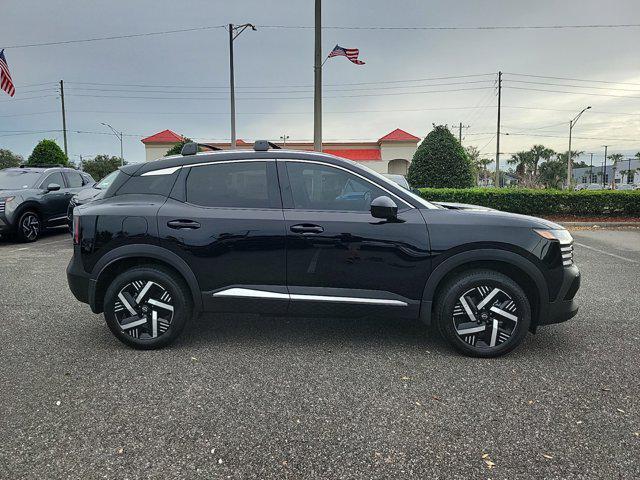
(33, 198)
(303, 233)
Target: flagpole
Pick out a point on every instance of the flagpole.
(317, 70)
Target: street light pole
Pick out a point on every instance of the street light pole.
(569, 159)
(284, 139)
(119, 136)
(234, 32)
(604, 168)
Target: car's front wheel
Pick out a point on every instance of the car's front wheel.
(28, 228)
(147, 307)
(483, 313)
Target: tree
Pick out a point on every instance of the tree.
(524, 162)
(615, 158)
(9, 159)
(47, 152)
(484, 171)
(440, 161)
(101, 166)
(553, 173)
(540, 152)
(177, 147)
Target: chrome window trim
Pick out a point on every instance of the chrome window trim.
(351, 172)
(238, 292)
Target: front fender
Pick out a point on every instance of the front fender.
(482, 254)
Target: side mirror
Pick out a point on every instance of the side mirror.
(384, 207)
(53, 187)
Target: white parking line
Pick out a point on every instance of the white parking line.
(607, 253)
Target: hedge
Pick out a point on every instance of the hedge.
(542, 202)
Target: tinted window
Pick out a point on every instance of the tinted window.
(319, 187)
(74, 179)
(237, 184)
(88, 179)
(53, 178)
(106, 181)
(150, 184)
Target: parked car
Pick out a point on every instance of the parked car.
(402, 181)
(580, 186)
(266, 231)
(628, 186)
(36, 197)
(598, 186)
(89, 194)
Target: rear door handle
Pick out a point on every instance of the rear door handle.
(306, 228)
(180, 224)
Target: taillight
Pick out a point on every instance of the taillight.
(76, 230)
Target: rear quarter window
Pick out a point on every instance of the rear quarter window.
(149, 184)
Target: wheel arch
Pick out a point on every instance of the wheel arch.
(120, 258)
(518, 268)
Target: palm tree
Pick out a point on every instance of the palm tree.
(615, 158)
(483, 163)
(540, 152)
(523, 161)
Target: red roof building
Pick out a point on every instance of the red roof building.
(391, 153)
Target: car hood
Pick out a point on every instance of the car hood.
(462, 206)
(87, 195)
(498, 218)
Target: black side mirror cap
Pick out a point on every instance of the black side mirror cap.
(384, 207)
(53, 187)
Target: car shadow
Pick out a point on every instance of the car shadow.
(48, 233)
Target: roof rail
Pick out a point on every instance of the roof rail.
(192, 148)
(50, 165)
(264, 145)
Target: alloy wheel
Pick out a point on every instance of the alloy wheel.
(30, 226)
(144, 309)
(485, 317)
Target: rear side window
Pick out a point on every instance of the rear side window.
(149, 184)
(234, 184)
(74, 179)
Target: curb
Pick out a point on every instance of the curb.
(601, 224)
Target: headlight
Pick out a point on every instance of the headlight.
(561, 235)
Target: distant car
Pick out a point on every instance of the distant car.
(402, 181)
(580, 186)
(89, 194)
(33, 198)
(597, 186)
(628, 186)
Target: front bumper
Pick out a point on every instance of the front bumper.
(565, 306)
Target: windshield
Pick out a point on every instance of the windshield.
(106, 181)
(17, 179)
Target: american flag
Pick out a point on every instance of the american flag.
(5, 77)
(350, 53)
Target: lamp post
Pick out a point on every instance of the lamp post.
(604, 168)
(234, 32)
(569, 162)
(284, 139)
(118, 136)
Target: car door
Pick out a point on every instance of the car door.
(54, 203)
(340, 259)
(225, 219)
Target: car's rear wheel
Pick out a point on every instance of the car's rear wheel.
(29, 227)
(147, 307)
(483, 313)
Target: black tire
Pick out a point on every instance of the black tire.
(155, 325)
(494, 332)
(29, 227)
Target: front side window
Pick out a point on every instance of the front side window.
(321, 187)
(53, 178)
(233, 185)
(74, 179)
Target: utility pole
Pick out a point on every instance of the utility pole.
(591, 169)
(628, 170)
(569, 158)
(234, 32)
(317, 81)
(604, 168)
(497, 179)
(64, 118)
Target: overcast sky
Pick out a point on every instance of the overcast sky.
(278, 63)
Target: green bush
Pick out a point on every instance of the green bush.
(542, 202)
(47, 152)
(440, 161)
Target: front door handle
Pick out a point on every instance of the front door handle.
(182, 223)
(306, 228)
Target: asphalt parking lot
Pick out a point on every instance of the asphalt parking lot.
(251, 397)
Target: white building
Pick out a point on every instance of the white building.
(391, 153)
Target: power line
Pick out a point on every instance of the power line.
(27, 98)
(552, 135)
(573, 93)
(573, 79)
(574, 86)
(592, 112)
